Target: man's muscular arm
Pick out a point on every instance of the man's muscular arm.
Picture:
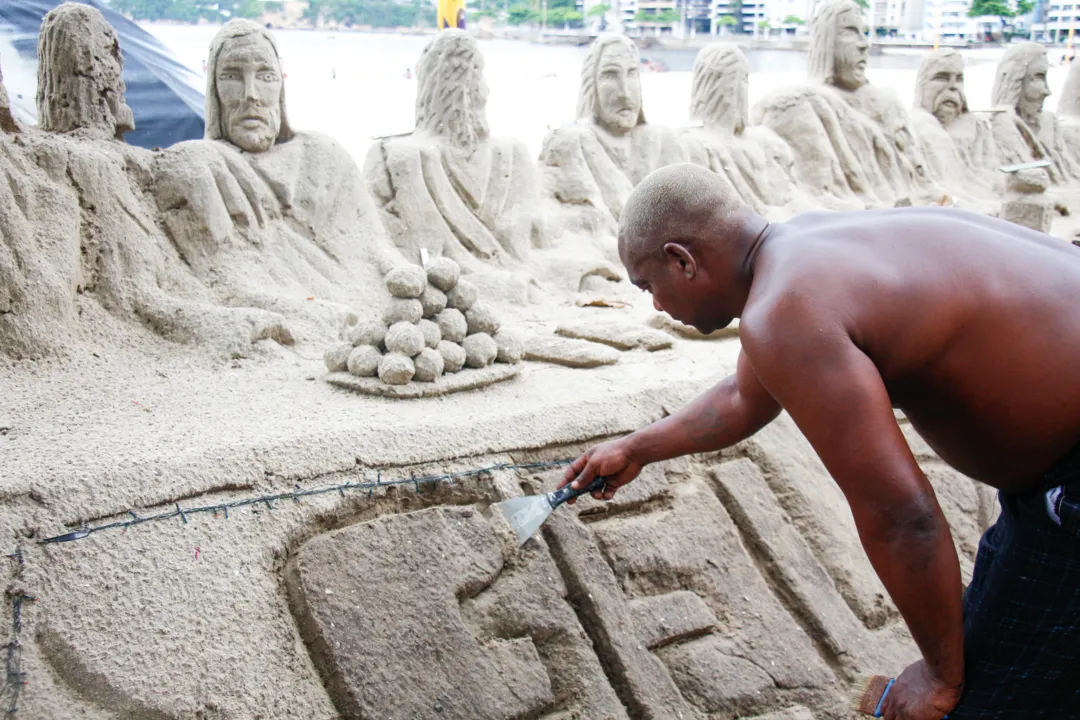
(736, 408)
(805, 357)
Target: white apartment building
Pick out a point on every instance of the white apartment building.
(924, 20)
(1059, 17)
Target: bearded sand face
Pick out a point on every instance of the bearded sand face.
(618, 89)
(940, 86)
(1034, 90)
(850, 50)
(248, 81)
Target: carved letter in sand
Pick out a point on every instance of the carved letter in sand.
(591, 167)
(851, 140)
(448, 186)
(80, 74)
(1024, 131)
(272, 215)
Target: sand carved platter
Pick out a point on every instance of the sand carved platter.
(467, 379)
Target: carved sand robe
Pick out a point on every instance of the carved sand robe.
(448, 187)
(80, 74)
(958, 146)
(851, 140)
(758, 163)
(1024, 131)
(263, 213)
(590, 167)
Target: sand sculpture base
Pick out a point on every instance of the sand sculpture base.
(446, 384)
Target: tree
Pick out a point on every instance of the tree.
(598, 10)
(763, 24)
(644, 16)
(249, 9)
(996, 8)
(794, 20)
(522, 14)
(668, 17)
(864, 4)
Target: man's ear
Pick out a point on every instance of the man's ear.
(682, 255)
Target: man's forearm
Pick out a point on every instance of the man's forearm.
(916, 561)
(713, 421)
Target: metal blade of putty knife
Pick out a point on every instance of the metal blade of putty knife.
(526, 514)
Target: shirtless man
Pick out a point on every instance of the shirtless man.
(967, 324)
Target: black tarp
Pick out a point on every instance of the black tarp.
(161, 92)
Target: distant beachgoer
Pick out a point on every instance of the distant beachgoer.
(408, 73)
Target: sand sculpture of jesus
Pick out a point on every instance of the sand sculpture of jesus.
(263, 211)
(448, 187)
(1024, 131)
(851, 139)
(590, 167)
(757, 161)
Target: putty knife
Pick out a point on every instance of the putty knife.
(526, 514)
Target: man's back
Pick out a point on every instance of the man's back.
(971, 322)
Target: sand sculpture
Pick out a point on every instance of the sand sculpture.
(7, 120)
(81, 250)
(434, 324)
(449, 187)
(1068, 113)
(727, 585)
(80, 74)
(757, 162)
(590, 167)
(851, 140)
(269, 216)
(1024, 131)
(958, 145)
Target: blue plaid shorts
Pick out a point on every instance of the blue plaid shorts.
(1022, 608)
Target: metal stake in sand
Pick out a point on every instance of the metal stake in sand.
(526, 514)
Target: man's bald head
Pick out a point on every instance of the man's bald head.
(685, 236)
(681, 202)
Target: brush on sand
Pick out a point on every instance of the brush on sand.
(526, 514)
(868, 695)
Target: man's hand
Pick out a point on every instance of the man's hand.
(918, 695)
(612, 460)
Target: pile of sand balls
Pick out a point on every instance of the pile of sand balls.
(432, 325)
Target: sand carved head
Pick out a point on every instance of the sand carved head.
(838, 45)
(610, 93)
(939, 85)
(245, 89)
(720, 93)
(1069, 102)
(451, 93)
(1020, 83)
(7, 120)
(81, 73)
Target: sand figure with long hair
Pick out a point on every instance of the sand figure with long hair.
(80, 74)
(958, 145)
(591, 166)
(270, 215)
(448, 187)
(1024, 131)
(851, 139)
(81, 252)
(757, 162)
